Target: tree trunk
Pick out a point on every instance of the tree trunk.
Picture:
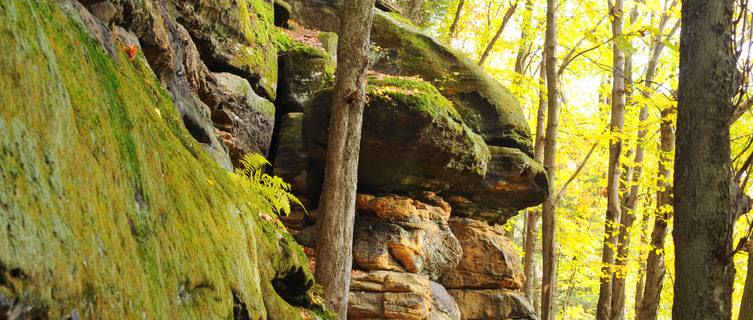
(334, 251)
(508, 14)
(549, 278)
(746, 304)
(458, 13)
(533, 214)
(415, 11)
(703, 216)
(655, 268)
(629, 203)
(641, 283)
(614, 210)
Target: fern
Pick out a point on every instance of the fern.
(273, 188)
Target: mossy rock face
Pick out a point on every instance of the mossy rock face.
(413, 139)
(109, 208)
(485, 105)
(235, 36)
(304, 71)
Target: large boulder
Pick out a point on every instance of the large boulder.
(413, 139)
(493, 304)
(245, 119)
(402, 234)
(396, 295)
(489, 260)
(485, 105)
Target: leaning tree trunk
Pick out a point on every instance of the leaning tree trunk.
(508, 14)
(549, 278)
(703, 217)
(746, 305)
(337, 209)
(604, 306)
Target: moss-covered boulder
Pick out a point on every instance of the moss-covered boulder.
(485, 105)
(304, 71)
(109, 207)
(291, 162)
(413, 139)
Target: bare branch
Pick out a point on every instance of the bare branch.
(576, 173)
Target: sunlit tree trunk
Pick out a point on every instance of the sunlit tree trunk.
(549, 249)
(533, 214)
(703, 219)
(337, 205)
(604, 306)
(655, 268)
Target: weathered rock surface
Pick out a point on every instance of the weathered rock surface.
(488, 261)
(245, 119)
(412, 140)
(234, 36)
(304, 71)
(110, 207)
(395, 295)
(402, 234)
(493, 304)
(513, 182)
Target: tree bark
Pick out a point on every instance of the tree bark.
(508, 14)
(549, 278)
(703, 221)
(614, 210)
(746, 305)
(524, 51)
(533, 214)
(458, 13)
(337, 205)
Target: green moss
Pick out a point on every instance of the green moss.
(110, 208)
(414, 93)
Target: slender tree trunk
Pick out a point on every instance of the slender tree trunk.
(458, 14)
(533, 214)
(508, 14)
(655, 268)
(614, 210)
(630, 202)
(641, 283)
(746, 305)
(703, 216)
(549, 250)
(334, 252)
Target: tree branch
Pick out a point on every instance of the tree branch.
(576, 173)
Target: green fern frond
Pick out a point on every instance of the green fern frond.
(272, 188)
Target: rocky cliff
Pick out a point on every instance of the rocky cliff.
(122, 119)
